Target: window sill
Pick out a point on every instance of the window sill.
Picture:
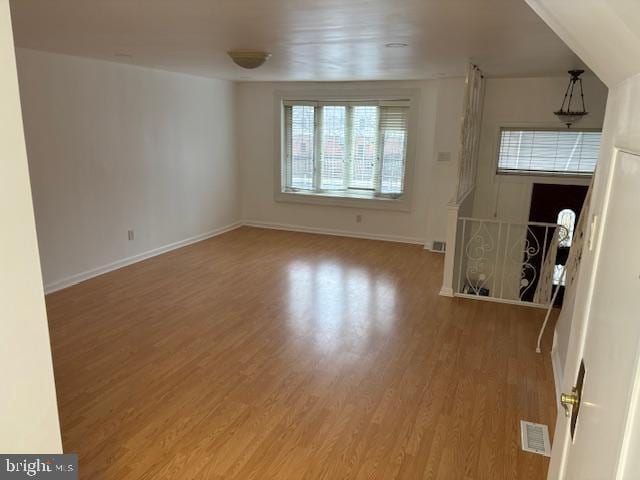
(353, 200)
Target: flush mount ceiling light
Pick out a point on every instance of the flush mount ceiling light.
(248, 58)
(566, 114)
(395, 45)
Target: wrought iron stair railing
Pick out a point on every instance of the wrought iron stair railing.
(505, 261)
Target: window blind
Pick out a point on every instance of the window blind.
(364, 147)
(300, 141)
(333, 147)
(346, 148)
(393, 131)
(557, 152)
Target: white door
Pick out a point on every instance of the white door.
(602, 447)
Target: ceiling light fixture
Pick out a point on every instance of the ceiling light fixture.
(396, 45)
(566, 114)
(248, 58)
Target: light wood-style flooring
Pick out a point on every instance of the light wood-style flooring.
(264, 354)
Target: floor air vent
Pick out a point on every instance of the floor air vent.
(439, 246)
(535, 438)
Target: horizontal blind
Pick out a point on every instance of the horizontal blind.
(288, 145)
(333, 147)
(564, 152)
(364, 147)
(394, 122)
(300, 138)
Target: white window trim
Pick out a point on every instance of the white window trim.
(337, 93)
(525, 177)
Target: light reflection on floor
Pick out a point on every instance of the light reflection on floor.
(339, 308)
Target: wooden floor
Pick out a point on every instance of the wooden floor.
(263, 354)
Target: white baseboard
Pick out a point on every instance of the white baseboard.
(81, 277)
(338, 233)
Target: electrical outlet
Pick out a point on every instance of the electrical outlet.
(358, 218)
(130, 234)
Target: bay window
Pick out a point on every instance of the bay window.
(352, 149)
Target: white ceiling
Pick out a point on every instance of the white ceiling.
(606, 34)
(309, 39)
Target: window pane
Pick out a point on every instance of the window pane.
(561, 152)
(393, 128)
(567, 218)
(364, 144)
(333, 147)
(302, 133)
(393, 151)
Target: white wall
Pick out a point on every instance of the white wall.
(28, 411)
(434, 183)
(115, 147)
(523, 102)
(444, 175)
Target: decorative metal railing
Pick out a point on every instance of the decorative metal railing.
(505, 261)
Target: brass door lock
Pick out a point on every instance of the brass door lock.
(569, 400)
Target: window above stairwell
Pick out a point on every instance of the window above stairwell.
(548, 152)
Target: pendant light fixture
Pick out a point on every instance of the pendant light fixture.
(566, 114)
(248, 58)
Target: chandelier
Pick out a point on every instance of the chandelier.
(566, 114)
